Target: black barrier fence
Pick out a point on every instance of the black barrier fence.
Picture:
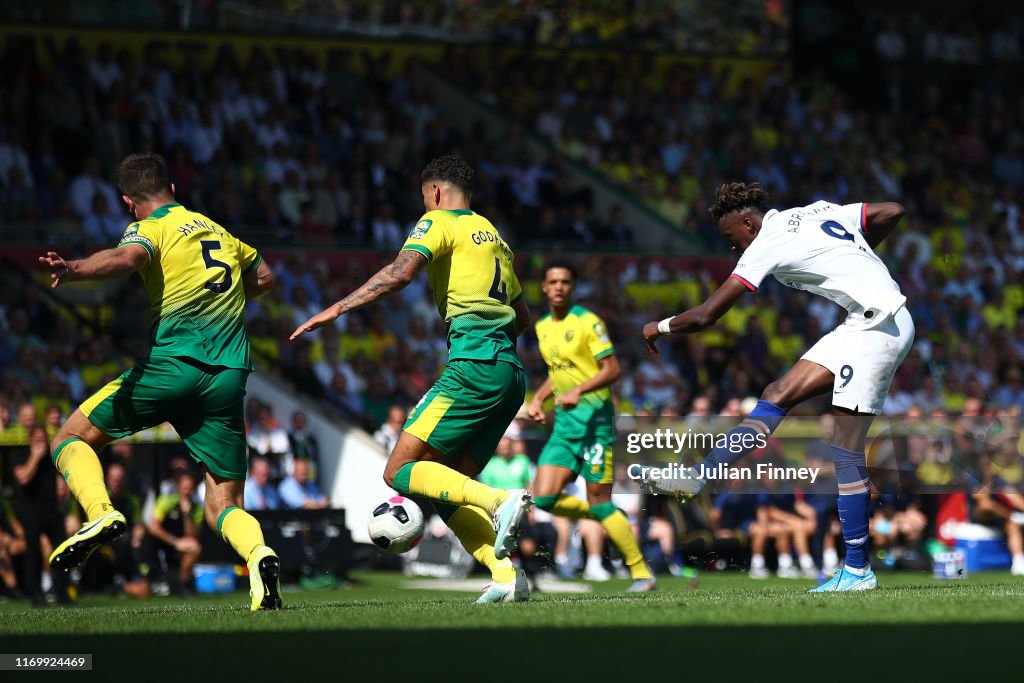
(309, 542)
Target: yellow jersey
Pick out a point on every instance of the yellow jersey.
(469, 268)
(194, 282)
(571, 348)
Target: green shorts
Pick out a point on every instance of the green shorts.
(204, 404)
(590, 456)
(469, 407)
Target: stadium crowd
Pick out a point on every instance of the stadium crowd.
(754, 27)
(276, 152)
(312, 168)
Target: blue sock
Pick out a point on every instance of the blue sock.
(762, 420)
(854, 504)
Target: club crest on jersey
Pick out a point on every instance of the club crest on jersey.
(420, 229)
(569, 334)
(132, 236)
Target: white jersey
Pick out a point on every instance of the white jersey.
(821, 248)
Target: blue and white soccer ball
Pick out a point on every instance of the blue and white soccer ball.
(396, 525)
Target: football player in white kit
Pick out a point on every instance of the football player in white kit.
(825, 249)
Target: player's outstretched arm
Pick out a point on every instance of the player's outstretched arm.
(880, 219)
(386, 282)
(109, 263)
(258, 281)
(698, 318)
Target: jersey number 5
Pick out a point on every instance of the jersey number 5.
(225, 284)
(499, 290)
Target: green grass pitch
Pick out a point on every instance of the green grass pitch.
(729, 627)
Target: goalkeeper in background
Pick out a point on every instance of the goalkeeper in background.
(198, 277)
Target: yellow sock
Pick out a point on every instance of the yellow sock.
(434, 480)
(77, 461)
(565, 506)
(241, 530)
(621, 534)
(474, 529)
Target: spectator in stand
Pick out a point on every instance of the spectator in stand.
(20, 334)
(292, 197)
(305, 381)
(67, 372)
(342, 401)
(260, 493)
(38, 513)
(1012, 393)
(300, 492)
(387, 435)
(387, 233)
(267, 439)
(87, 185)
(12, 545)
(174, 534)
(332, 364)
(304, 445)
(100, 225)
(121, 566)
(790, 522)
(14, 158)
(104, 72)
(26, 422)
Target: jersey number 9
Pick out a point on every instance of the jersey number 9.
(834, 229)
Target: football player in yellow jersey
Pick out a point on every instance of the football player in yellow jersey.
(581, 369)
(198, 277)
(455, 428)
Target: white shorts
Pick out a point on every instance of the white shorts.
(864, 361)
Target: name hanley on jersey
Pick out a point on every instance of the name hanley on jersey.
(199, 224)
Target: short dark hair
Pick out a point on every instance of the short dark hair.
(450, 169)
(561, 263)
(143, 176)
(183, 472)
(736, 197)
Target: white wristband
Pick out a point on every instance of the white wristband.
(663, 327)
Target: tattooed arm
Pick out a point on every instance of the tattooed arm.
(389, 280)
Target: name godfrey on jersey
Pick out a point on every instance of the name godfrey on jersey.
(483, 236)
